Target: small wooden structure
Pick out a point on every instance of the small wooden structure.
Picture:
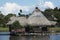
(37, 21)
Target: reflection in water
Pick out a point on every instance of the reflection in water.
(29, 38)
(46, 37)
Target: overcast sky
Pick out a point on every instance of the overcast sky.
(13, 6)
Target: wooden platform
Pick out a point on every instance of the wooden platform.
(33, 34)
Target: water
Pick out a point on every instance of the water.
(47, 37)
(55, 37)
(4, 37)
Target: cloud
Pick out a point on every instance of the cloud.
(43, 4)
(13, 8)
(49, 5)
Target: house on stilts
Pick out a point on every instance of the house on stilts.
(37, 21)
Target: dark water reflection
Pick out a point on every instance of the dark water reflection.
(46, 37)
(29, 38)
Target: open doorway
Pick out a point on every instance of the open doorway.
(44, 29)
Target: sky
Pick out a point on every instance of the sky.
(27, 6)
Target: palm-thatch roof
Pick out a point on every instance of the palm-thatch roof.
(37, 18)
(53, 22)
(22, 20)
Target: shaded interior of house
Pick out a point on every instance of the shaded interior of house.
(36, 22)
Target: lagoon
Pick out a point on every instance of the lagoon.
(42, 37)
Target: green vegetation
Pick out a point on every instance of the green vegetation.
(55, 12)
(16, 25)
(56, 29)
(6, 29)
(47, 12)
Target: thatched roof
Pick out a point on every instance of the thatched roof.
(53, 22)
(22, 20)
(37, 18)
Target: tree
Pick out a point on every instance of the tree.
(56, 9)
(16, 24)
(7, 17)
(48, 13)
(1, 20)
(55, 12)
(59, 9)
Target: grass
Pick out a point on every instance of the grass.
(6, 29)
(56, 29)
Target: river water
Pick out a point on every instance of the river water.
(46, 37)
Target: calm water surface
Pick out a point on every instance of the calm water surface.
(47, 37)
